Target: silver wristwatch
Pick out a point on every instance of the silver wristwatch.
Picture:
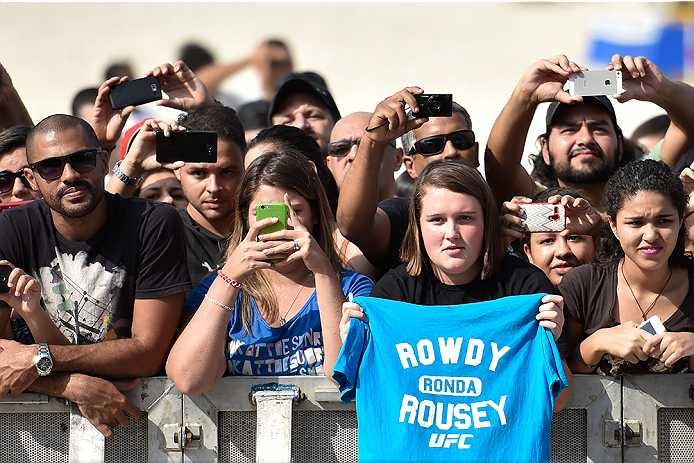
(43, 361)
(128, 180)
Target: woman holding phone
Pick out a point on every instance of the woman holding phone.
(255, 317)
(642, 272)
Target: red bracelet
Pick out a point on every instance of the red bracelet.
(233, 283)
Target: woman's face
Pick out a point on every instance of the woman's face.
(647, 227)
(164, 187)
(452, 227)
(556, 255)
(271, 194)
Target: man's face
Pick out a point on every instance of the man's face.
(351, 128)
(211, 187)
(11, 163)
(441, 126)
(308, 113)
(73, 194)
(583, 147)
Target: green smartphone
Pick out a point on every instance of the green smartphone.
(266, 210)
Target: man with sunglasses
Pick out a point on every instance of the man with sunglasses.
(342, 149)
(14, 186)
(379, 228)
(112, 272)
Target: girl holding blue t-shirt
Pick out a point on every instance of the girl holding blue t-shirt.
(254, 317)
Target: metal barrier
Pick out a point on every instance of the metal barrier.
(301, 419)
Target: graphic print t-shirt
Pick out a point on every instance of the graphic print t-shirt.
(88, 287)
(471, 382)
(295, 348)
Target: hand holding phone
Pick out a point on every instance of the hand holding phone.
(542, 218)
(278, 210)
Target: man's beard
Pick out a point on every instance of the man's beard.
(75, 210)
(567, 174)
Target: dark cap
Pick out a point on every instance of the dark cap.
(254, 115)
(603, 100)
(305, 82)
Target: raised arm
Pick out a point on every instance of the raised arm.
(543, 81)
(12, 109)
(644, 81)
(358, 216)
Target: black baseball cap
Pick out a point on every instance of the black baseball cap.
(305, 82)
(603, 100)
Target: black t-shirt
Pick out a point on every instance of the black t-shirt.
(398, 212)
(205, 250)
(89, 287)
(513, 277)
(590, 293)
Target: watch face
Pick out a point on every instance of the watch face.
(44, 364)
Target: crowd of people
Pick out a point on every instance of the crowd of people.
(121, 267)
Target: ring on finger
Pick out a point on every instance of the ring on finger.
(296, 245)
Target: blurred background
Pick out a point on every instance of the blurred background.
(365, 51)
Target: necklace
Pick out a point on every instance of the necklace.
(650, 307)
(283, 319)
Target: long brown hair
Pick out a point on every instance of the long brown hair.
(457, 176)
(284, 168)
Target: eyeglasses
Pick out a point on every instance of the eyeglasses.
(7, 179)
(52, 168)
(430, 146)
(341, 148)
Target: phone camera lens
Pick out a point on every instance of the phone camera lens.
(154, 88)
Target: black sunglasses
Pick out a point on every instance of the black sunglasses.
(340, 148)
(52, 168)
(7, 179)
(430, 146)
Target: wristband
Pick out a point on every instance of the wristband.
(128, 180)
(233, 283)
(580, 359)
(217, 303)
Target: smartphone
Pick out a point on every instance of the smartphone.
(189, 146)
(279, 210)
(592, 83)
(135, 92)
(542, 218)
(5, 271)
(653, 325)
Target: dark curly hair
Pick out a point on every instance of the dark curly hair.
(627, 182)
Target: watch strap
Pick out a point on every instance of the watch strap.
(128, 180)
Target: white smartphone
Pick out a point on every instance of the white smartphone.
(542, 218)
(653, 325)
(592, 83)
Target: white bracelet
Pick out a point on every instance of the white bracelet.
(223, 306)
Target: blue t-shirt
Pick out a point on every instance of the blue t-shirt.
(471, 382)
(293, 348)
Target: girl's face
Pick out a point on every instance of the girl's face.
(452, 227)
(556, 255)
(271, 194)
(164, 187)
(647, 228)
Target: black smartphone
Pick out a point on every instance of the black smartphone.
(5, 271)
(135, 92)
(188, 146)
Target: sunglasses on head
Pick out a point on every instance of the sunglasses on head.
(430, 146)
(341, 148)
(7, 179)
(52, 168)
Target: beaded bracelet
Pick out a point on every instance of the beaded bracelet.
(215, 302)
(580, 359)
(233, 283)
